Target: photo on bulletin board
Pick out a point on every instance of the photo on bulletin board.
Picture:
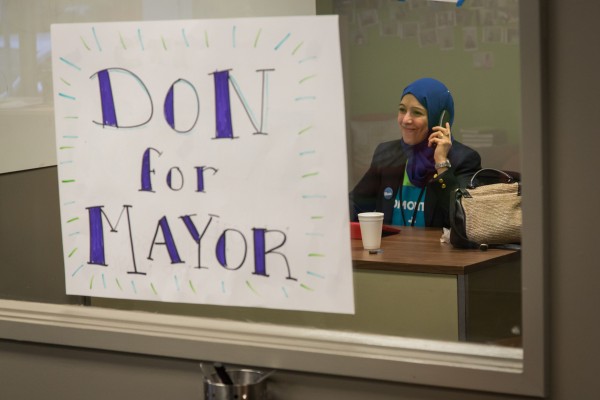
(204, 161)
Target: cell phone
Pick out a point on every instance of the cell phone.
(444, 118)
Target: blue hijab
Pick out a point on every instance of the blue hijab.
(435, 97)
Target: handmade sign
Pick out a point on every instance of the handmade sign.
(204, 161)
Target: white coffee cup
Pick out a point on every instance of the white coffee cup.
(370, 229)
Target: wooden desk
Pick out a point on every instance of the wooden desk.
(480, 277)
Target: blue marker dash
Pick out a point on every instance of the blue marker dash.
(252, 288)
(305, 129)
(314, 234)
(284, 291)
(66, 162)
(68, 203)
(77, 270)
(66, 96)
(307, 152)
(303, 286)
(71, 117)
(223, 286)
(74, 233)
(307, 59)
(316, 255)
(177, 283)
(192, 286)
(96, 38)
(233, 29)
(301, 98)
(314, 196)
(282, 41)
(307, 78)
(185, 39)
(133, 287)
(139, 34)
(72, 252)
(315, 274)
(297, 48)
(103, 281)
(310, 174)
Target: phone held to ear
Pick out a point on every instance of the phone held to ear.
(444, 118)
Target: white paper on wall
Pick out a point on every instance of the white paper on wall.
(204, 161)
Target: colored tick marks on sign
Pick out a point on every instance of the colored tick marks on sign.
(185, 39)
(67, 96)
(282, 41)
(96, 39)
(70, 64)
(251, 287)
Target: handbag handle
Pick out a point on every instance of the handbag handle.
(509, 178)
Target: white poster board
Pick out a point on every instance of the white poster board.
(204, 161)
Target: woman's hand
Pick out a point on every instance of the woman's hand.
(440, 138)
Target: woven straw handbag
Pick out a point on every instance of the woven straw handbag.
(487, 214)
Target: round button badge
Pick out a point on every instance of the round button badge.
(387, 193)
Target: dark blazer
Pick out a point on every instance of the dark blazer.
(387, 171)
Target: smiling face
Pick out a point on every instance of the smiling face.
(412, 120)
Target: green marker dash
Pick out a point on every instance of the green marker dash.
(317, 217)
(72, 252)
(252, 288)
(303, 286)
(305, 129)
(68, 180)
(119, 284)
(92, 281)
(257, 36)
(153, 288)
(310, 174)
(307, 78)
(72, 220)
(84, 43)
(163, 42)
(316, 255)
(297, 47)
(66, 147)
(122, 41)
(192, 286)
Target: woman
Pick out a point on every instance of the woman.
(411, 180)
